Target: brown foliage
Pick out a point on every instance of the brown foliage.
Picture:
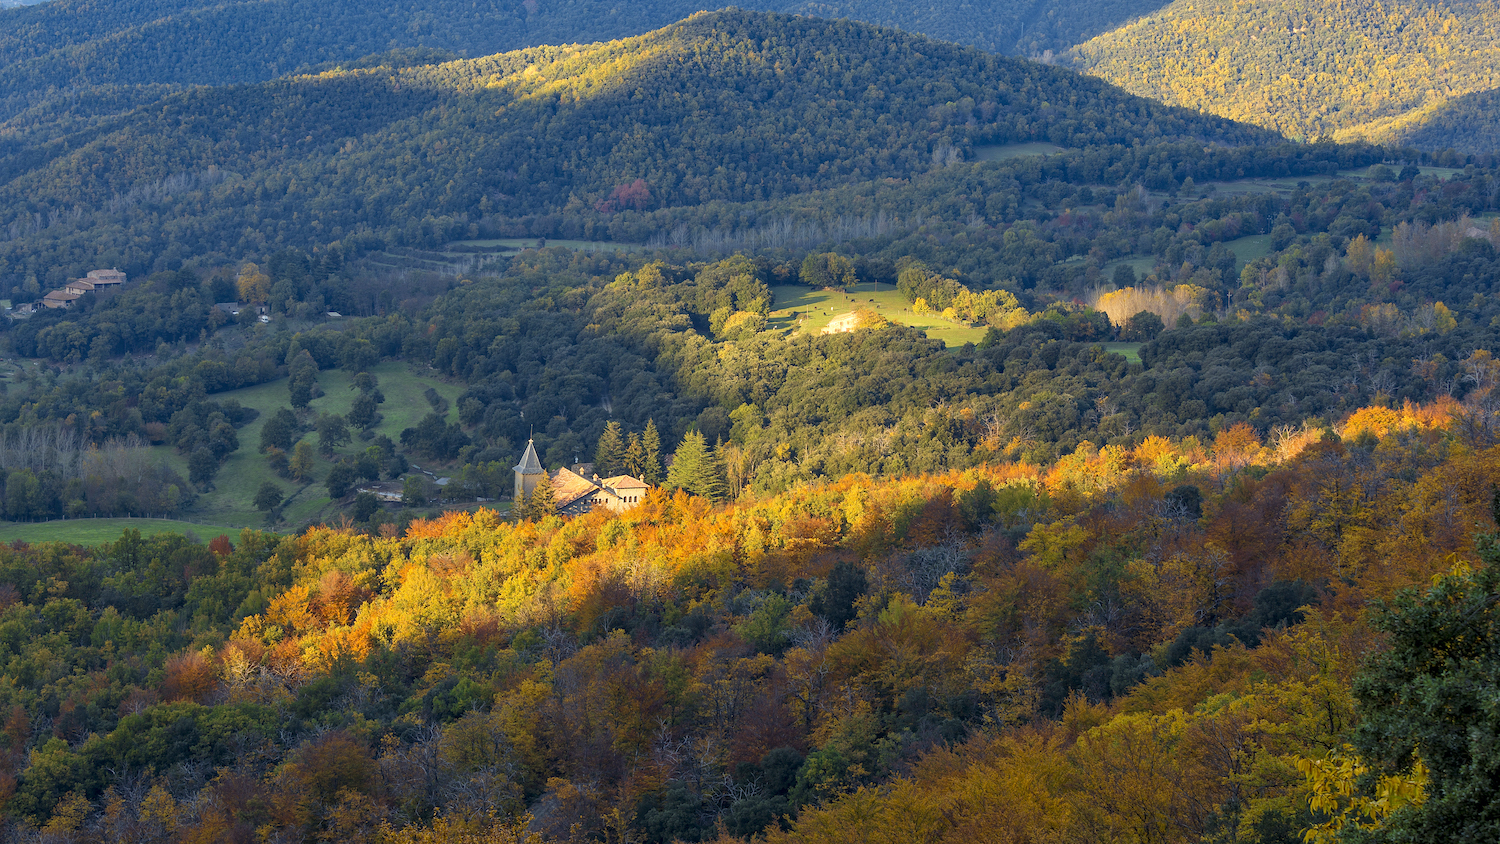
(189, 676)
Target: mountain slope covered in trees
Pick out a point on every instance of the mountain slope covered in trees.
(731, 106)
(1357, 70)
(1308, 69)
(121, 47)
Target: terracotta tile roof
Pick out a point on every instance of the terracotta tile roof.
(623, 482)
(568, 487)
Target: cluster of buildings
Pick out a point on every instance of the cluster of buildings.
(573, 491)
(65, 296)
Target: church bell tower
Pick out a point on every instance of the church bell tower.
(528, 473)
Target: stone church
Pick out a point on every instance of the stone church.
(573, 492)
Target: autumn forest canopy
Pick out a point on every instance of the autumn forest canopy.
(997, 454)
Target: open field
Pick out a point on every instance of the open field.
(1001, 152)
(1247, 249)
(1129, 351)
(1288, 184)
(231, 502)
(811, 310)
(96, 531)
(519, 243)
(1142, 264)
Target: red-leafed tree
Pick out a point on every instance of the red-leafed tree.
(636, 194)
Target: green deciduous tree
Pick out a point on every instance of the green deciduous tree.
(332, 433)
(280, 431)
(340, 478)
(202, 466)
(268, 497)
(1431, 697)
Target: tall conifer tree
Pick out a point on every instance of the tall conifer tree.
(635, 458)
(695, 468)
(651, 459)
(609, 457)
(542, 502)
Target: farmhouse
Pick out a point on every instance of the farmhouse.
(60, 299)
(103, 279)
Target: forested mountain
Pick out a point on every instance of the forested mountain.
(1469, 122)
(1360, 70)
(1147, 496)
(1348, 70)
(127, 48)
(729, 106)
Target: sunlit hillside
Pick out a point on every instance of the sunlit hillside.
(1305, 69)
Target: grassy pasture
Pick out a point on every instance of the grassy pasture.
(1129, 351)
(1003, 152)
(1247, 249)
(519, 243)
(810, 311)
(230, 503)
(97, 531)
(1142, 264)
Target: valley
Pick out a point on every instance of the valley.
(568, 422)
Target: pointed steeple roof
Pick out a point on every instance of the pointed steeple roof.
(529, 465)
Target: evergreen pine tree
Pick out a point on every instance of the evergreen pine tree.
(542, 502)
(635, 458)
(609, 457)
(695, 469)
(651, 455)
(720, 468)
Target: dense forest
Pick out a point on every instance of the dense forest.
(127, 53)
(1383, 73)
(1372, 71)
(1164, 643)
(698, 112)
(1149, 496)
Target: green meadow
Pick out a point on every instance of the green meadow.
(1002, 152)
(230, 503)
(1129, 351)
(97, 531)
(810, 311)
(519, 243)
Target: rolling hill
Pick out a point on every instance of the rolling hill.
(1355, 70)
(1352, 70)
(117, 55)
(729, 106)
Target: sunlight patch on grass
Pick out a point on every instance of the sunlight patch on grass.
(810, 311)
